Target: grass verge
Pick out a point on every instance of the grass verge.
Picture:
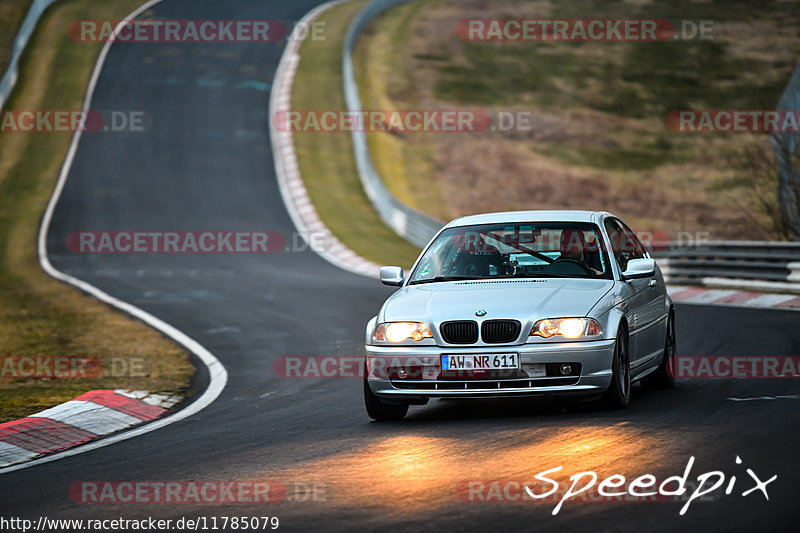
(599, 137)
(41, 317)
(12, 13)
(326, 158)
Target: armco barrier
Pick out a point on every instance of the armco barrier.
(735, 264)
(20, 41)
(771, 266)
(411, 224)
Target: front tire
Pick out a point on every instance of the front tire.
(664, 377)
(380, 411)
(618, 395)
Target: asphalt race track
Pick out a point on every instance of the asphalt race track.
(205, 164)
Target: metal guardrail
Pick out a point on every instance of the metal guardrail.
(415, 226)
(749, 265)
(735, 264)
(20, 42)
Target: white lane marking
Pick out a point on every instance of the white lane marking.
(223, 329)
(755, 398)
(218, 376)
(89, 416)
(266, 394)
(10, 454)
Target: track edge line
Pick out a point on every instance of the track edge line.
(218, 376)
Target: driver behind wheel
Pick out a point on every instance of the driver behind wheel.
(475, 257)
(573, 246)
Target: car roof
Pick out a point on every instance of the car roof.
(566, 215)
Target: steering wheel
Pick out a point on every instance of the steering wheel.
(575, 262)
(466, 269)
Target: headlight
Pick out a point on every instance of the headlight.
(571, 328)
(400, 331)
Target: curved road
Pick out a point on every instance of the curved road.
(205, 163)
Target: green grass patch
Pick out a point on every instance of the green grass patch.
(404, 163)
(12, 13)
(326, 159)
(41, 317)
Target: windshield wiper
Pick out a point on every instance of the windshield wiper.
(442, 278)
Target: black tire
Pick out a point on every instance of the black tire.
(380, 411)
(618, 394)
(664, 377)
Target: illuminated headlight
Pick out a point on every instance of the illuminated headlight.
(571, 328)
(401, 331)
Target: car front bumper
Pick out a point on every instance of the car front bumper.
(592, 358)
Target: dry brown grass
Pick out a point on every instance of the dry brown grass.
(41, 317)
(599, 138)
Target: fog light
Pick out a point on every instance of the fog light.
(565, 369)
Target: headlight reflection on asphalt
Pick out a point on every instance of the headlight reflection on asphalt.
(420, 473)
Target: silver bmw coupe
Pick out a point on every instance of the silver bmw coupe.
(521, 303)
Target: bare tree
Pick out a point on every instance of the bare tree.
(785, 145)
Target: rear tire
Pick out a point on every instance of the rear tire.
(380, 411)
(618, 394)
(664, 377)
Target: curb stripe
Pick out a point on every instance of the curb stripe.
(42, 435)
(218, 376)
(10, 454)
(794, 302)
(89, 416)
(129, 406)
(75, 422)
(733, 298)
(293, 190)
(771, 300)
(738, 297)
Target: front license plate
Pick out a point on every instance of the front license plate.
(490, 361)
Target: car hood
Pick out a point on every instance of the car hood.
(520, 299)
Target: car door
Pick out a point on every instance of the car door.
(639, 304)
(653, 305)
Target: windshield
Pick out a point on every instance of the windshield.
(524, 250)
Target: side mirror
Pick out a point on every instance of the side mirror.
(392, 275)
(639, 268)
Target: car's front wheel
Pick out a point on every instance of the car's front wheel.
(379, 410)
(618, 395)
